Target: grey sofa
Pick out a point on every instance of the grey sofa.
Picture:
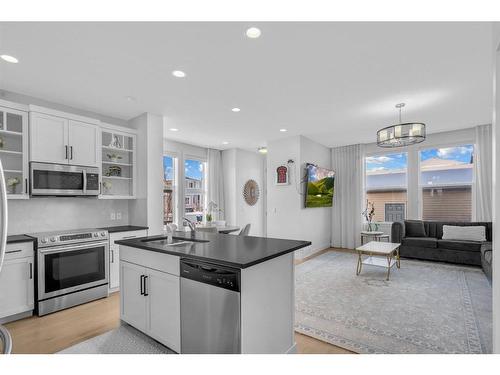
(433, 247)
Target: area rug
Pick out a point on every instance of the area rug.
(425, 307)
(122, 340)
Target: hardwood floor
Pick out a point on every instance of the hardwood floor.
(55, 332)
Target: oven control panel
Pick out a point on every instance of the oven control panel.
(54, 239)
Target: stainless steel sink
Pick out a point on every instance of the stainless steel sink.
(176, 241)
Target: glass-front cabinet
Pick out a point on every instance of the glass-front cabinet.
(14, 151)
(118, 180)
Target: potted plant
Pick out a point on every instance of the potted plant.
(12, 183)
(211, 209)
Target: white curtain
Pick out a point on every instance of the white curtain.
(216, 181)
(347, 162)
(484, 173)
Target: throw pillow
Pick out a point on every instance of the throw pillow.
(414, 228)
(468, 233)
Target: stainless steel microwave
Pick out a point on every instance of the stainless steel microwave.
(63, 180)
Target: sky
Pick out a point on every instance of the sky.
(400, 160)
(193, 168)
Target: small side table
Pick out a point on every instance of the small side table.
(373, 236)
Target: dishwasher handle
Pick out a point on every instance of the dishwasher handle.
(212, 274)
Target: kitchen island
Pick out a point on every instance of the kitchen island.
(210, 293)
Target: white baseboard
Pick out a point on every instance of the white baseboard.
(308, 251)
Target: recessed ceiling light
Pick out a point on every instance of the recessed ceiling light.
(262, 150)
(235, 109)
(225, 143)
(130, 98)
(9, 58)
(174, 129)
(178, 74)
(283, 130)
(253, 32)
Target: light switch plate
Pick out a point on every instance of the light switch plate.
(112, 216)
(118, 215)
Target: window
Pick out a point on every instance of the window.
(386, 185)
(168, 189)
(446, 178)
(195, 190)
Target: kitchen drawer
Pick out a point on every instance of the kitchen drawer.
(19, 250)
(150, 259)
(126, 235)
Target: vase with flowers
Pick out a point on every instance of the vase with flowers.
(212, 211)
(369, 214)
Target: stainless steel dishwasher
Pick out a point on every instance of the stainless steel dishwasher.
(210, 308)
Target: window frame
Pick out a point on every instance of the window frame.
(204, 188)
(392, 151)
(175, 184)
(422, 147)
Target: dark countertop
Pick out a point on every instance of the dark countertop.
(19, 238)
(222, 249)
(124, 228)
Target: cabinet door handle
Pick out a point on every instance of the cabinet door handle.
(112, 256)
(71, 152)
(26, 185)
(142, 290)
(31, 270)
(145, 286)
(66, 151)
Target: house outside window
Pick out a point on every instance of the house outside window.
(168, 189)
(194, 188)
(386, 185)
(446, 183)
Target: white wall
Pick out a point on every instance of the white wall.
(51, 214)
(286, 215)
(147, 209)
(239, 166)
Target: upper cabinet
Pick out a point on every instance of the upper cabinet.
(55, 138)
(14, 150)
(118, 148)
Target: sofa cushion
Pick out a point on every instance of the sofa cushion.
(427, 242)
(414, 228)
(464, 233)
(459, 245)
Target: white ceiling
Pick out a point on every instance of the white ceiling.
(336, 83)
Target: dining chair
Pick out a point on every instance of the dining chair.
(207, 229)
(245, 230)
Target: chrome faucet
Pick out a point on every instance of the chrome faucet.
(190, 224)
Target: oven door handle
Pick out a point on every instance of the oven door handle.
(62, 249)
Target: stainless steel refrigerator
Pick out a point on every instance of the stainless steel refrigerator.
(5, 338)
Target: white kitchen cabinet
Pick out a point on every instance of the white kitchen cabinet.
(163, 291)
(16, 281)
(83, 143)
(14, 148)
(114, 255)
(132, 299)
(57, 137)
(48, 138)
(155, 295)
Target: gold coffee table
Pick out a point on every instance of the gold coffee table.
(376, 252)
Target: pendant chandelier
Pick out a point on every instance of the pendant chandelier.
(402, 134)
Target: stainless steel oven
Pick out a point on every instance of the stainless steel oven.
(72, 268)
(61, 179)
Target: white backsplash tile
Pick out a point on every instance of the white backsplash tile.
(48, 214)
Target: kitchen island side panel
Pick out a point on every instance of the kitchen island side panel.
(268, 306)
